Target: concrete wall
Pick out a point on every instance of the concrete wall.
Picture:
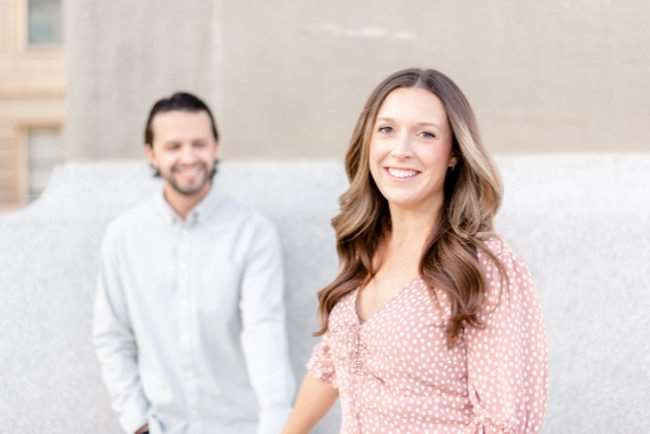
(581, 222)
(288, 79)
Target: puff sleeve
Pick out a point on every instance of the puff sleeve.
(321, 362)
(507, 358)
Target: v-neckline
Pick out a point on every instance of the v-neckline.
(356, 300)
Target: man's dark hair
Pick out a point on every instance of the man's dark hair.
(182, 101)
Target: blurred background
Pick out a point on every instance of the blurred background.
(561, 89)
(288, 79)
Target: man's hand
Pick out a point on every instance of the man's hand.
(143, 429)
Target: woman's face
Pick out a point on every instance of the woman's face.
(410, 149)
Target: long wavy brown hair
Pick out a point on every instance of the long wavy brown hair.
(472, 195)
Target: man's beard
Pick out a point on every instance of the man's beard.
(205, 172)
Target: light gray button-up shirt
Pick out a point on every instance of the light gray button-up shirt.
(189, 321)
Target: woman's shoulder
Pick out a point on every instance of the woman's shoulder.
(343, 311)
(499, 249)
(517, 278)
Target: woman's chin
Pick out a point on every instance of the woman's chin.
(400, 202)
(411, 202)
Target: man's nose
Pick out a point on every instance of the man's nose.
(188, 154)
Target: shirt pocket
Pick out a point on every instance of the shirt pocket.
(218, 288)
(154, 274)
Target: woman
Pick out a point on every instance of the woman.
(432, 324)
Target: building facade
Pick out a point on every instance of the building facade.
(32, 90)
(287, 81)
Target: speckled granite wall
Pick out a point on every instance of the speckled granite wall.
(581, 222)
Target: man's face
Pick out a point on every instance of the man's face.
(183, 150)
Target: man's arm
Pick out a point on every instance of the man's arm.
(143, 430)
(264, 337)
(115, 343)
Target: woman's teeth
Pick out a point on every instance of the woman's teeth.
(402, 173)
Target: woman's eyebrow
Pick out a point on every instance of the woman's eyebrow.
(429, 124)
(419, 124)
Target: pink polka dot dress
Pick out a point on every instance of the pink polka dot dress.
(395, 374)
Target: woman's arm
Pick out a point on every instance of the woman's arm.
(507, 367)
(315, 398)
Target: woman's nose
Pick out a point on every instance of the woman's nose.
(402, 146)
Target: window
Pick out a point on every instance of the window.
(44, 22)
(44, 151)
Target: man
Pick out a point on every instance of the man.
(189, 318)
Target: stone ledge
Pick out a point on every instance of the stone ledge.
(581, 222)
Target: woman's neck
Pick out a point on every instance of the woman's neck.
(411, 228)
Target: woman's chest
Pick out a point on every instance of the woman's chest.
(406, 339)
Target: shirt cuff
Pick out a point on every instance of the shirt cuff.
(272, 420)
(133, 418)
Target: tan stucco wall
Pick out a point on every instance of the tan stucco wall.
(121, 56)
(543, 76)
(288, 79)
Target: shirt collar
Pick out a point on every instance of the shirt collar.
(200, 213)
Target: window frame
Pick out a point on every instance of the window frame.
(22, 21)
(23, 157)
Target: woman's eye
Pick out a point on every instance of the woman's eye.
(385, 129)
(428, 135)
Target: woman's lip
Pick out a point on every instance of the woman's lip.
(402, 168)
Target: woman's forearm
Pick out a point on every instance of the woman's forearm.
(315, 398)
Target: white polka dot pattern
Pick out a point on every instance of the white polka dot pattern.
(395, 373)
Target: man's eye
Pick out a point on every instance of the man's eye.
(385, 129)
(198, 144)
